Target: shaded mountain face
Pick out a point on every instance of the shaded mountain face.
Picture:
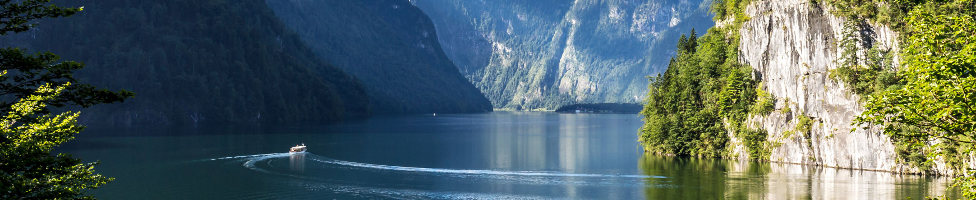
(391, 46)
(542, 54)
(197, 62)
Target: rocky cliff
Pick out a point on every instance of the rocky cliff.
(527, 55)
(793, 45)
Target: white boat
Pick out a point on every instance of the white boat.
(297, 148)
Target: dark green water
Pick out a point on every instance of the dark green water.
(498, 155)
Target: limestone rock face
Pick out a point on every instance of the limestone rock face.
(543, 54)
(792, 45)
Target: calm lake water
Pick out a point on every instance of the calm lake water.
(501, 155)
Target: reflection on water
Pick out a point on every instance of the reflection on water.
(695, 178)
(471, 156)
(564, 142)
(296, 162)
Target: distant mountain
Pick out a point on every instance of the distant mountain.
(542, 54)
(391, 46)
(197, 62)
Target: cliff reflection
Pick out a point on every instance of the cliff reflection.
(695, 178)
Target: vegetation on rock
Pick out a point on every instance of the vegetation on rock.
(930, 99)
(705, 94)
(937, 99)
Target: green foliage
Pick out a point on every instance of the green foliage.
(786, 108)
(27, 72)
(876, 74)
(765, 103)
(704, 94)
(891, 13)
(938, 70)
(28, 132)
(18, 16)
(936, 102)
(677, 119)
(850, 37)
(755, 143)
(726, 8)
(803, 125)
(865, 80)
(854, 8)
(967, 185)
(27, 137)
(686, 105)
(910, 150)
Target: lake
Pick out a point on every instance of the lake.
(500, 155)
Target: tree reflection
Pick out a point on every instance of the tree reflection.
(687, 178)
(697, 178)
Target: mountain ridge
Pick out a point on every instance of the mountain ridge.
(541, 55)
(195, 62)
(393, 50)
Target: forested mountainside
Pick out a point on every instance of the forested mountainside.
(197, 62)
(389, 45)
(542, 54)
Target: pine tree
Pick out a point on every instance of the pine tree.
(28, 132)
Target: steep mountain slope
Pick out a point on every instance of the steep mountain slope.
(543, 54)
(796, 47)
(197, 62)
(388, 44)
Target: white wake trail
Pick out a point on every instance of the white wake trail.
(251, 161)
(476, 171)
